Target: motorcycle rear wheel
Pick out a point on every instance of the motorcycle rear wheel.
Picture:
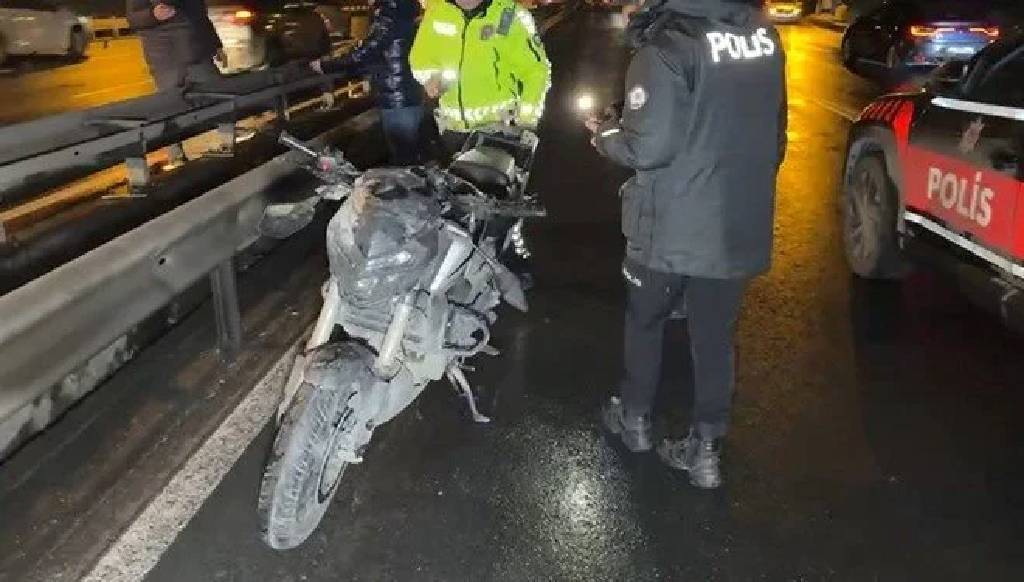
(305, 468)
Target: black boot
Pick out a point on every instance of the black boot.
(635, 431)
(699, 457)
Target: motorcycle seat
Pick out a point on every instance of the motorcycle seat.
(488, 168)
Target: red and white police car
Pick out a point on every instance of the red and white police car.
(936, 174)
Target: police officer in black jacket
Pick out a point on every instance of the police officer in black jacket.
(704, 126)
(384, 56)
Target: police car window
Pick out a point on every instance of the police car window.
(1003, 83)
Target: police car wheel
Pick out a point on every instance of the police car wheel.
(869, 220)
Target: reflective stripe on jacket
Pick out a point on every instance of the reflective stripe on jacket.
(490, 62)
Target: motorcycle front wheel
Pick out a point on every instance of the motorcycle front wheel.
(327, 421)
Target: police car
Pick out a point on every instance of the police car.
(936, 174)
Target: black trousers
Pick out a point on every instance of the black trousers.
(402, 126)
(712, 309)
(175, 57)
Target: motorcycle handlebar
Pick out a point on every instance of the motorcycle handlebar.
(297, 145)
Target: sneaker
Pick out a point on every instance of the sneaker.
(635, 432)
(700, 458)
(680, 311)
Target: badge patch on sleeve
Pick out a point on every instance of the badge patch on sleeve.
(637, 97)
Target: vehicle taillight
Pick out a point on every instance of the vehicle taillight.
(922, 31)
(989, 31)
(241, 17)
(925, 31)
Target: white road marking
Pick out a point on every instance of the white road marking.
(111, 89)
(140, 547)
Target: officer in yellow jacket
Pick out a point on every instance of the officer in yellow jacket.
(485, 61)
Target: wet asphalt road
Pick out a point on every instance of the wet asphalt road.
(877, 431)
(111, 71)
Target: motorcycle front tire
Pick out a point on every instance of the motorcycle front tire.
(304, 470)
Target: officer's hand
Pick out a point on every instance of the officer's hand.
(317, 66)
(593, 124)
(433, 87)
(163, 12)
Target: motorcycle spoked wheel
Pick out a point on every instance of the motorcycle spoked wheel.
(304, 469)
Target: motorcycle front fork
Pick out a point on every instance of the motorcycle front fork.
(321, 335)
(389, 350)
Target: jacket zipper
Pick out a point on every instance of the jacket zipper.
(462, 59)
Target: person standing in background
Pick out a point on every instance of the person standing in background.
(178, 41)
(384, 56)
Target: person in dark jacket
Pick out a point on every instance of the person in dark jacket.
(384, 56)
(178, 41)
(704, 126)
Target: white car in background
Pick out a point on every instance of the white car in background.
(34, 27)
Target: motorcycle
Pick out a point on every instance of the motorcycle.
(413, 291)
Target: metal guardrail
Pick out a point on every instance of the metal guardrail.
(109, 27)
(54, 324)
(46, 152)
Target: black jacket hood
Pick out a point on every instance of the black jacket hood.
(655, 14)
(737, 12)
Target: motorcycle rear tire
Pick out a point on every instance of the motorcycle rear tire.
(303, 472)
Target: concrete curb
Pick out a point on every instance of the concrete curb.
(830, 23)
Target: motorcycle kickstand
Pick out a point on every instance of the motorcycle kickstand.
(458, 379)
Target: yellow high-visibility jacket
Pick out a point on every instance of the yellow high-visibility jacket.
(490, 63)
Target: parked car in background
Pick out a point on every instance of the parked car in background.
(781, 11)
(937, 175)
(258, 33)
(908, 33)
(31, 27)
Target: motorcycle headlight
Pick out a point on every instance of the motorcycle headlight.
(389, 261)
(366, 284)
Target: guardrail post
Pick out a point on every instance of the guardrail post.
(225, 308)
(138, 175)
(226, 135)
(137, 167)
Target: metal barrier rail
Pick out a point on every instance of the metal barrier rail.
(56, 323)
(46, 152)
(109, 27)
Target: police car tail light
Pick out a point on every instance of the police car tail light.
(925, 31)
(989, 31)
